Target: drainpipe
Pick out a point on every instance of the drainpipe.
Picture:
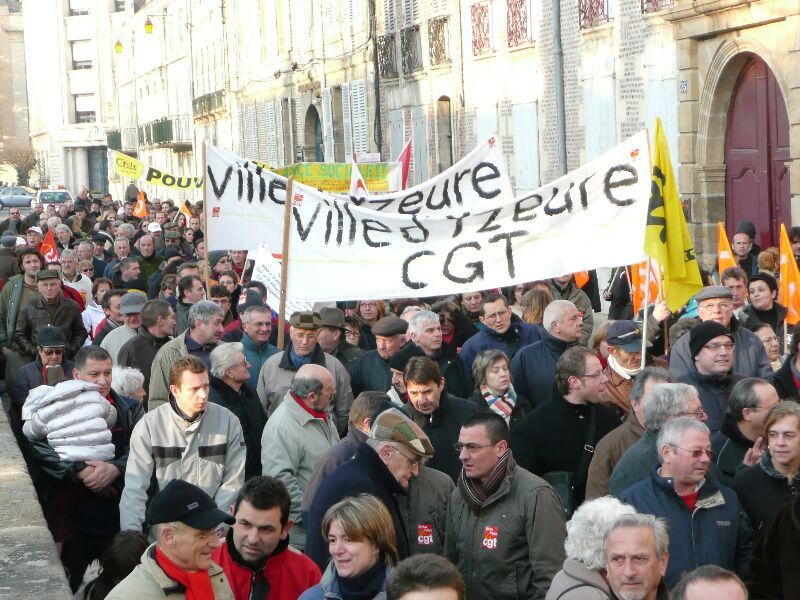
(376, 79)
(558, 83)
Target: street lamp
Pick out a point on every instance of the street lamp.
(118, 47)
(148, 26)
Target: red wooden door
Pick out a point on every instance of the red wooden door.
(756, 154)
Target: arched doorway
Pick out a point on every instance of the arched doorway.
(312, 142)
(756, 154)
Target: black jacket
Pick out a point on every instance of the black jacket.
(247, 408)
(442, 428)
(457, 380)
(370, 373)
(522, 408)
(140, 351)
(31, 376)
(713, 392)
(348, 355)
(533, 369)
(763, 492)
(784, 382)
(64, 314)
(729, 446)
(773, 573)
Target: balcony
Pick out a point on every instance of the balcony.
(592, 13)
(387, 60)
(174, 132)
(651, 6)
(209, 103)
(438, 40)
(411, 49)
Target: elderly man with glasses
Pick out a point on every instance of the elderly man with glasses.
(715, 303)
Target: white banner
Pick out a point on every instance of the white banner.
(592, 217)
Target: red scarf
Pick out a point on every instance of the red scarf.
(198, 585)
(317, 414)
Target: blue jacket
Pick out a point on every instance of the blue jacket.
(533, 369)
(716, 533)
(329, 589)
(256, 355)
(517, 336)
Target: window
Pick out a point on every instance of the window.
(411, 49)
(480, 14)
(82, 52)
(85, 108)
(119, 5)
(650, 6)
(592, 13)
(518, 23)
(438, 42)
(387, 63)
(79, 7)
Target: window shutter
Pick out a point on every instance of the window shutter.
(419, 145)
(358, 91)
(347, 123)
(389, 17)
(261, 130)
(279, 150)
(327, 124)
(271, 153)
(410, 12)
(251, 139)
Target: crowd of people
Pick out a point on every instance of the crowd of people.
(493, 444)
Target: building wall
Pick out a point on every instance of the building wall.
(14, 99)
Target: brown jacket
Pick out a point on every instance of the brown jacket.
(607, 453)
(617, 392)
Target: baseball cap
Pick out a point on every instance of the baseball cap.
(132, 303)
(181, 501)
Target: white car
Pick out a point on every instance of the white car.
(53, 195)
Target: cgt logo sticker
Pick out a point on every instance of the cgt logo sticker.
(425, 534)
(490, 537)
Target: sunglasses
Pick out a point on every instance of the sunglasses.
(53, 351)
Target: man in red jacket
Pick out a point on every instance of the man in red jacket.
(256, 556)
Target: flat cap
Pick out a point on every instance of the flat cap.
(172, 235)
(331, 317)
(306, 319)
(713, 291)
(393, 426)
(132, 303)
(390, 326)
(48, 274)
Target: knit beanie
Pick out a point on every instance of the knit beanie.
(703, 333)
(214, 257)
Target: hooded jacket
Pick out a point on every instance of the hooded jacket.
(514, 545)
(533, 368)
(717, 532)
(518, 335)
(764, 491)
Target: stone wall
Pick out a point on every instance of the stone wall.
(29, 567)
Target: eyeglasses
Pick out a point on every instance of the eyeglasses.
(470, 448)
(495, 316)
(203, 536)
(89, 270)
(53, 351)
(697, 414)
(592, 375)
(717, 347)
(443, 320)
(415, 462)
(697, 453)
(351, 333)
(721, 306)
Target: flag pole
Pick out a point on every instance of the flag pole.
(661, 295)
(205, 219)
(287, 220)
(646, 302)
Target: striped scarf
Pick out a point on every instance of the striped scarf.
(474, 492)
(503, 404)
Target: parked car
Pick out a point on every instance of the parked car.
(16, 196)
(53, 195)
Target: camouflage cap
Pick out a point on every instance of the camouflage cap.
(306, 319)
(393, 426)
(172, 235)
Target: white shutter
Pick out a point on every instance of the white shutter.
(262, 134)
(347, 122)
(358, 91)
(389, 17)
(272, 146)
(355, 12)
(331, 13)
(438, 7)
(327, 125)
(279, 135)
(526, 146)
(251, 141)
(397, 133)
(410, 12)
(419, 145)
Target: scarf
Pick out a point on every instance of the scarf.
(198, 585)
(474, 492)
(365, 586)
(298, 361)
(622, 371)
(317, 414)
(502, 404)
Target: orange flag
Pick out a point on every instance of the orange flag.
(789, 293)
(581, 278)
(48, 248)
(638, 281)
(724, 253)
(140, 210)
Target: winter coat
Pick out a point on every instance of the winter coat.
(749, 356)
(442, 428)
(521, 409)
(284, 575)
(533, 369)
(8, 264)
(608, 452)
(116, 339)
(92, 316)
(181, 317)
(291, 444)
(749, 319)
(582, 302)
(518, 335)
(782, 380)
(764, 491)
(424, 511)
(773, 573)
(370, 373)
(158, 392)
(347, 354)
(208, 452)
(328, 588)
(63, 314)
(278, 372)
(245, 405)
(576, 581)
(713, 392)
(514, 545)
(14, 296)
(335, 456)
(457, 379)
(364, 474)
(717, 532)
(730, 446)
(256, 355)
(617, 392)
(140, 351)
(148, 582)
(635, 464)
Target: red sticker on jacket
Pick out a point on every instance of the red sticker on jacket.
(490, 537)
(425, 534)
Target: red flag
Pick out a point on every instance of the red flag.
(789, 294)
(405, 160)
(140, 210)
(48, 247)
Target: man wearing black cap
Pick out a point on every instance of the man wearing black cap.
(372, 373)
(49, 308)
(331, 338)
(8, 258)
(762, 307)
(179, 563)
(712, 348)
(715, 303)
(279, 369)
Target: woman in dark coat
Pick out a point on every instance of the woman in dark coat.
(456, 327)
(494, 390)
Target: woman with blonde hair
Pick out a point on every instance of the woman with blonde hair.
(533, 303)
(363, 547)
(370, 312)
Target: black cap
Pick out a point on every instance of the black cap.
(187, 503)
(399, 361)
(626, 335)
(390, 325)
(50, 337)
(703, 333)
(746, 227)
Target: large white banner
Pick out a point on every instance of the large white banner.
(592, 217)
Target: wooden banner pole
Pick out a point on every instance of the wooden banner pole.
(287, 221)
(644, 308)
(205, 223)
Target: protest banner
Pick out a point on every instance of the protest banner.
(267, 270)
(473, 235)
(127, 166)
(335, 177)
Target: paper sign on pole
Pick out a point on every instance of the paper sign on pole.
(127, 166)
(267, 270)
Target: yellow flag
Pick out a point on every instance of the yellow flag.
(667, 238)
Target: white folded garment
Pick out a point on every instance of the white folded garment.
(95, 438)
(103, 452)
